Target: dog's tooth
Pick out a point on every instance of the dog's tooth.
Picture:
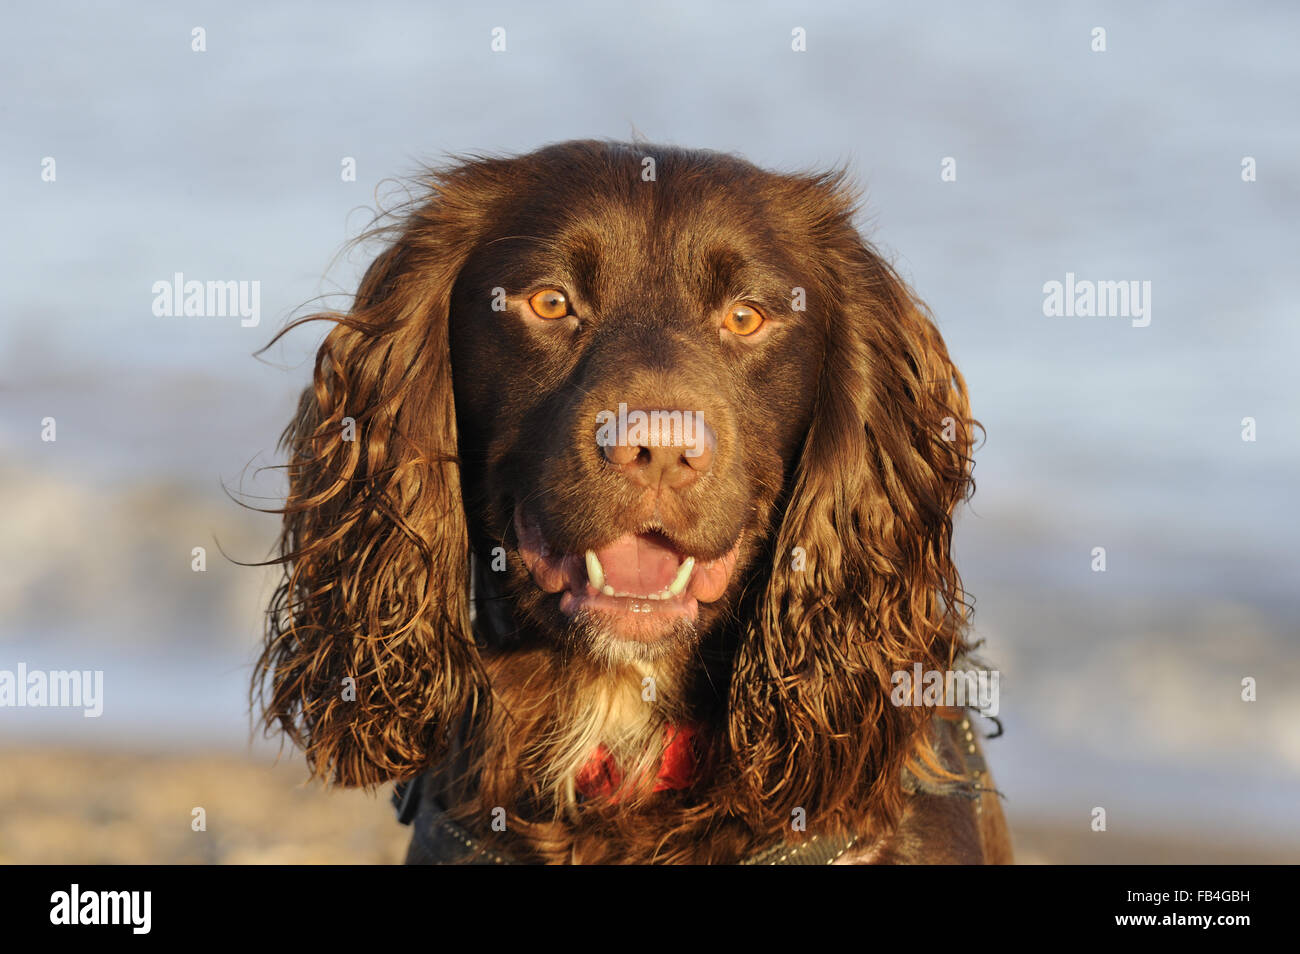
(595, 572)
(683, 576)
(607, 590)
(653, 596)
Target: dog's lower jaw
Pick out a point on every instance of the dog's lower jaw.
(588, 631)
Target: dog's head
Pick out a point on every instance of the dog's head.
(653, 396)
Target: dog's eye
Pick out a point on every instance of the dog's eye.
(742, 319)
(549, 303)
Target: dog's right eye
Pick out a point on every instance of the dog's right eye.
(549, 303)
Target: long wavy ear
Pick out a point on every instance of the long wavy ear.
(369, 663)
(863, 583)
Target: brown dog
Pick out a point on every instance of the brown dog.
(646, 495)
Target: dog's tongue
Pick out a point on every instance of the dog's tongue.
(640, 563)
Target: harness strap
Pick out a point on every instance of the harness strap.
(815, 851)
(438, 840)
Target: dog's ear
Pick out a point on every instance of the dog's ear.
(863, 584)
(370, 664)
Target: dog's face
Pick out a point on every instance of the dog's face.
(656, 395)
(635, 365)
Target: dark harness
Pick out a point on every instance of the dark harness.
(436, 839)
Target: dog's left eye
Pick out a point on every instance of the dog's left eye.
(743, 320)
(550, 303)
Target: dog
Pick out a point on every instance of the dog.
(620, 495)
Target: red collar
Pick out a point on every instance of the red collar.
(601, 777)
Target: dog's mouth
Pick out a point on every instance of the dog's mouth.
(643, 577)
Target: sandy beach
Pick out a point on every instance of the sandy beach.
(78, 807)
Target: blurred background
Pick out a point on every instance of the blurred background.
(1120, 689)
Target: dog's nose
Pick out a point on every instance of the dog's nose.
(658, 448)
